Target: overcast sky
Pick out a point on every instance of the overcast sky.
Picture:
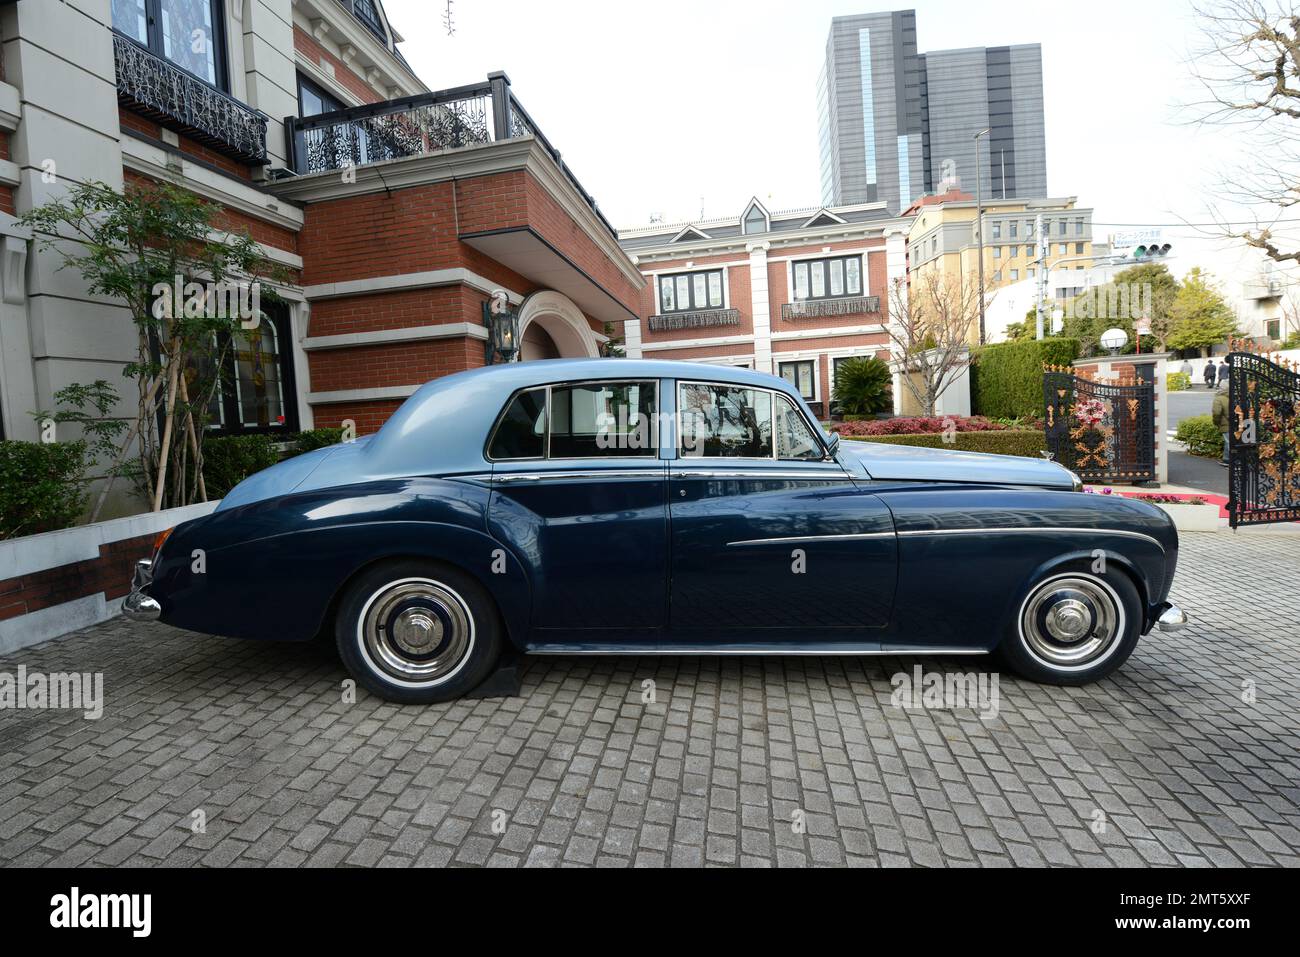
(683, 106)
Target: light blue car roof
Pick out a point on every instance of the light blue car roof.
(443, 427)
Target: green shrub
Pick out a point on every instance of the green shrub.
(1007, 379)
(42, 486)
(1178, 381)
(1024, 443)
(314, 439)
(1201, 436)
(862, 386)
(229, 460)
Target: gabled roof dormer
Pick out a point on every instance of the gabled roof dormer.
(756, 219)
(823, 217)
(690, 234)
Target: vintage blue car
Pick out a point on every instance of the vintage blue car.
(603, 507)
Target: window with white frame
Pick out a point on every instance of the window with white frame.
(802, 375)
(691, 291)
(755, 221)
(833, 278)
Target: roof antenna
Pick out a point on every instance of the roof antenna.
(448, 20)
(701, 207)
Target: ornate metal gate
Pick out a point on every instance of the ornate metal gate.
(1263, 438)
(1101, 432)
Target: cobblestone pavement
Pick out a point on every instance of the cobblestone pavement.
(1166, 754)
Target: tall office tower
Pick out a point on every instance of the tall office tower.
(895, 124)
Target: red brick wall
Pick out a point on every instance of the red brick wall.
(368, 416)
(109, 573)
(306, 44)
(234, 220)
(130, 121)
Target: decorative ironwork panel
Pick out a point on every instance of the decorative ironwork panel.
(695, 320)
(151, 86)
(1263, 441)
(828, 308)
(421, 129)
(1101, 432)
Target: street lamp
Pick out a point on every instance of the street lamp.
(1114, 340)
(979, 221)
(502, 324)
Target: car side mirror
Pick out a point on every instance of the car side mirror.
(832, 445)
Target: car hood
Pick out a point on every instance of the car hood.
(340, 464)
(911, 463)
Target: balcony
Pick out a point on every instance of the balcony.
(694, 320)
(154, 88)
(830, 308)
(466, 116)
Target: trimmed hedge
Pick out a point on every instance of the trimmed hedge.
(229, 460)
(1007, 379)
(1201, 436)
(41, 486)
(1178, 381)
(1021, 442)
(314, 439)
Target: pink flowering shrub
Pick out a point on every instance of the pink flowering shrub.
(917, 426)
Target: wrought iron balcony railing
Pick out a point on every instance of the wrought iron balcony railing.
(465, 116)
(830, 308)
(149, 85)
(695, 320)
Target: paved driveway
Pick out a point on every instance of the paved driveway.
(789, 762)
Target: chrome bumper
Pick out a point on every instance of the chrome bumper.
(1172, 618)
(138, 606)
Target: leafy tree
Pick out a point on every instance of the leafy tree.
(1146, 291)
(1200, 316)
(862, 386)
(129, 246)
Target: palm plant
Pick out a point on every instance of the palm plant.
(862, 386)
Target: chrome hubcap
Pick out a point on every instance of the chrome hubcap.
(417, 630)
(1071, 621)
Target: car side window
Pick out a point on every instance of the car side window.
(521, 432)
(721, 421)
(794, 439)
(603, 419)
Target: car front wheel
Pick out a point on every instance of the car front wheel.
(418, 633)
(1074, 627)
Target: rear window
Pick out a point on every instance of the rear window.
(521, 433)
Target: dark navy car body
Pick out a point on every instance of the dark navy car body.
(848, 548)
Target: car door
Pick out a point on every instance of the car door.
(578, 492)
(767, 533)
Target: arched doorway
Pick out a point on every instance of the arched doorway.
(551, 326)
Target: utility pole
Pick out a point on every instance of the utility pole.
(1044, 248)
(979, 222)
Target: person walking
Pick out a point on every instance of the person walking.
(1209, 374)
(1223, 373)
(1222, 418)
(1187, 369)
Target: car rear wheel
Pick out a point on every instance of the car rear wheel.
(418, 632)
(1074, 627)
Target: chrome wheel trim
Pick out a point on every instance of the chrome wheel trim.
(416, 632)
(1072, 622)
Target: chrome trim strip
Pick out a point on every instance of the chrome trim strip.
(803, 539)
(512, 477)
(760, 475)
(769, 652)
(1052, 530)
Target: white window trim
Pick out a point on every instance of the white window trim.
(834, 254)
(726, 283)
(783, 358)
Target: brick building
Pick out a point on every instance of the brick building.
(791, 293)
(395, 211)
